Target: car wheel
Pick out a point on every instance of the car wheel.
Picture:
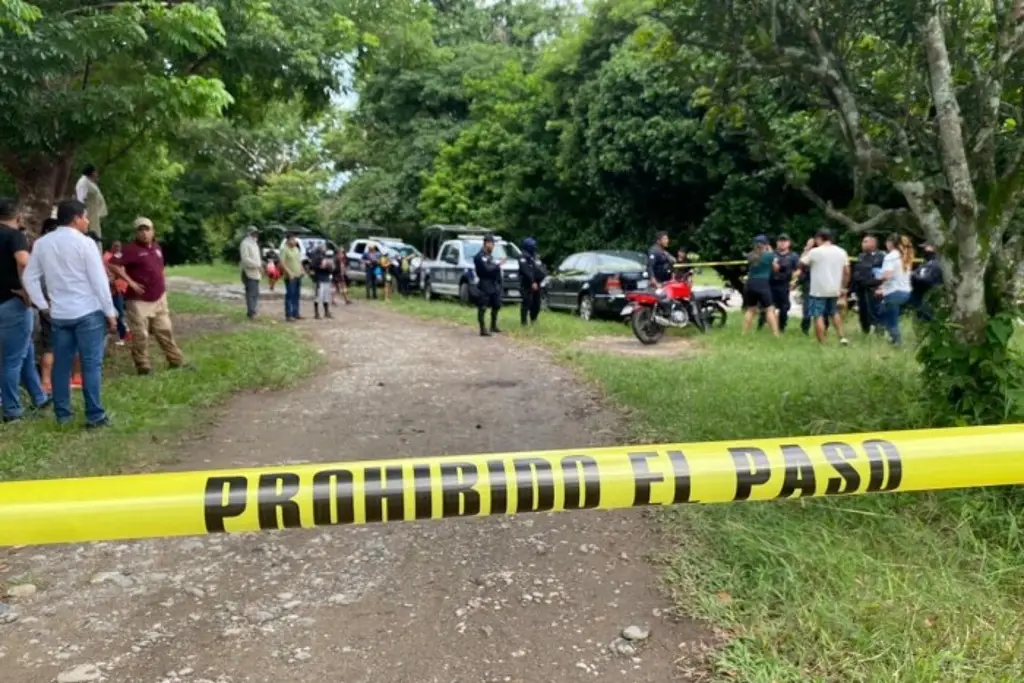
(464, 293)
(428, 291)
(585, 310)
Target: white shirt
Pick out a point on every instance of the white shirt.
(899, 281)
(82, 189)
(76, 279)
(828, 263)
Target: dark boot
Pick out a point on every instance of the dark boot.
(480, 319)
(494, 321)
(316, 311)
(327, 311)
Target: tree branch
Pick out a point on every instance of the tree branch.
(847, 222)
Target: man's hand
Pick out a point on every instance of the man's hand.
(136, 287)
(809, 245)
(535, 286)
(23, 295)
(112, 323)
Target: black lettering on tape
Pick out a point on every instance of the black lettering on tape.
(532, 472)
(276, 494)
(572, 466)
(681, 470)
(423, 496)
(838, 455)
(215, 508)
(499, 487)
(390, 493)
(334, 497)
(643, 477)
(882, 456)
(752, 469)
(799, 473)
(459, 498)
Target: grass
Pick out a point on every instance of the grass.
(218, 273)
(910, 588)
(149, 410)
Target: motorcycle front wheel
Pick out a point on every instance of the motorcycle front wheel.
(645, 328)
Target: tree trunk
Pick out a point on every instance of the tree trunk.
(38, 181)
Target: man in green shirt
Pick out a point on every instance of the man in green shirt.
(291, 265)
(757, 294)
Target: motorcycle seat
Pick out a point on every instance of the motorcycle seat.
(709, 293)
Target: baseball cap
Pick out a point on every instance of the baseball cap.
(783, 238)
(761, 239)
(251, 230)
(489, 237)
(143, 222)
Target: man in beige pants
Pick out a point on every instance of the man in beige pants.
(141, 264)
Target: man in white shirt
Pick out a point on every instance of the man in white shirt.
(252, 270)
(87, 191)
(829, 266)
(80, 308)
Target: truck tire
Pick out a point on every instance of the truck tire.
(464, 292)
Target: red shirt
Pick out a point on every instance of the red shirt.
(145, 265)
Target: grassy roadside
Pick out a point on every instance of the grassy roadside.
(218, 273)
(913, 587)
(147, 410)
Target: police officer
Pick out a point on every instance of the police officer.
(531, 275)
(659, 261)
(488, 274)
(781, 280)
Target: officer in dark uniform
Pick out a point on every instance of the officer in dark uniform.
(531, 275)
(781, 280)
(488, 274)
(659, 261)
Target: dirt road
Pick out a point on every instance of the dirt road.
(526, 600)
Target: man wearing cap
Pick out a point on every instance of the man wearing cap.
(531, 274)
(924, 279)
(252, 270)
(781, 280)
(141, 265)
(488, 273)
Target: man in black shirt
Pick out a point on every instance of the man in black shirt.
(488, 274)
(924, 279)
(531, 274)
(17, 352)
(659, 261)
(781, 280)
(864, 281)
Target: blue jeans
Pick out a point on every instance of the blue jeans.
(122, 331)
(891, 305)
(87, 337)
(292, 294)
(17, 358)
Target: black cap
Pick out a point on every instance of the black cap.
(783, 237)
(489, 237)
(760, 239)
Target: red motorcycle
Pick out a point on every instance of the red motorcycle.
(671, 305)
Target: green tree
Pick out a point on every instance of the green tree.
(85, 76)
(923, 96)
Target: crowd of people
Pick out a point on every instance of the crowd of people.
(883, 284)
(64, 299)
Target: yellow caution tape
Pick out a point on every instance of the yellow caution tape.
(192, 503)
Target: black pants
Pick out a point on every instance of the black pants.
(529, 308)
(867, 308)
(371, 285)
(782, 304)
(920, 306)
(491, 300)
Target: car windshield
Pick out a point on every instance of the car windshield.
(619, 261)
(501, 250)
(404, 250)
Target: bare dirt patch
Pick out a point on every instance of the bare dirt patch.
(543, 597)
(669, 347)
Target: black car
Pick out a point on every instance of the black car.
(594, 283)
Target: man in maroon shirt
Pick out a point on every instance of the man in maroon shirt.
(141, 265)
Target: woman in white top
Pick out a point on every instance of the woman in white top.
(895, 277)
